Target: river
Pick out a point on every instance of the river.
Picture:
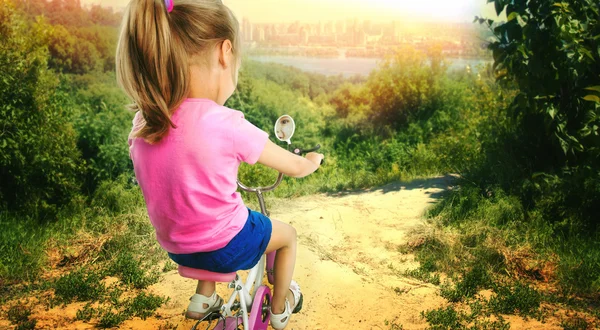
(350, 66)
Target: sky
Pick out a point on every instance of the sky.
(276, 11)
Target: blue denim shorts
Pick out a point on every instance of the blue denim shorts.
(242, 252)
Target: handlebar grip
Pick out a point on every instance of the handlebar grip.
(300, 151)
(317, 147)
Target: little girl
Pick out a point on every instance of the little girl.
(179, 63)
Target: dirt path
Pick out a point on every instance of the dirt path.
(347, 263)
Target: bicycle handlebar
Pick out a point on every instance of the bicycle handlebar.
(262, 189)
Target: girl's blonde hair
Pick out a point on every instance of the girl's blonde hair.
(155, 51)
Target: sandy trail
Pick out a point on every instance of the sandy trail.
(347, 262)
(348, 265)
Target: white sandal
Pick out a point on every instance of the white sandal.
(280, 321)
(197, 303)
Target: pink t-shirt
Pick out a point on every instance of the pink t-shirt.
(188, 179)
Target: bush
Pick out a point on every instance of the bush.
(118, 196)
(40, 165)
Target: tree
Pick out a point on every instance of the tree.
(39, 161)
(402, 87)
(70, 54)
(552, 51)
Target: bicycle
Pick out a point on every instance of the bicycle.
(251, 295)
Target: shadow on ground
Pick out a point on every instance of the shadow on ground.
(442, 182)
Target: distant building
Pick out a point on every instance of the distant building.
(329, 28)
(367, 26)
(304, 36)
(373, 38)
(247, 30)
(360, 38)
(340, 27)
(268, 32)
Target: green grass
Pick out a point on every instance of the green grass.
(143, 305)
(86, 313)
(132, 271)
(425, 272)
(22, 248)
(579, 265)
(109, 318)
(487, 241)
(471, 282)
(443, 318)
(429, 252)
(487, 224)
(87, 285)
(79, 285)
(19, 315)
(169, 266)
(448, 318)
(517, 298)
(575, 323)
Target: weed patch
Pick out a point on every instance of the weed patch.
(518, 299)
(132, 271)
(470, 283)
(575, 323)
(143, 305)
(425, 272)
(109, 318)
(86, 313)
(20, 315)
(449, 318)
(79, 285)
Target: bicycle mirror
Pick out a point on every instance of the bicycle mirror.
(284, 128)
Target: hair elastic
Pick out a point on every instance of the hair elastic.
(169, 5)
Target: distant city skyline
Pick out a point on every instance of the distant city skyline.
(274, 11)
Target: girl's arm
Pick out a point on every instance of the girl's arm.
(288, 163)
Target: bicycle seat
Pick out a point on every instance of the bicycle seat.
(205, 275)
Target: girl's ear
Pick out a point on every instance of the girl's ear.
(225, 53)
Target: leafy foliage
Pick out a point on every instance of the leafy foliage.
(39, 160)
(554, 128)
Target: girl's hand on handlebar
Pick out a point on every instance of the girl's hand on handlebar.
(288, 163)
(315, 157)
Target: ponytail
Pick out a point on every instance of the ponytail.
(154, 51)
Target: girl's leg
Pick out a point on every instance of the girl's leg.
(283, 240)
(206, 289)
